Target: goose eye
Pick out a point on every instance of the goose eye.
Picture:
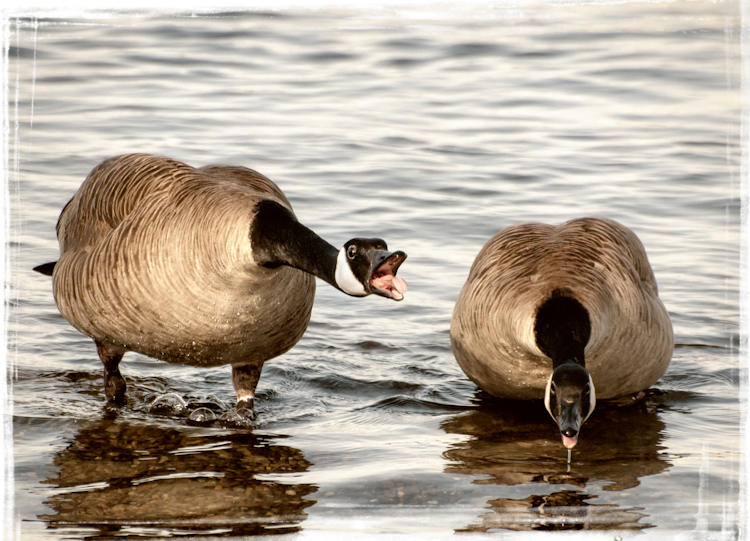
(552, 390)
(351, 251)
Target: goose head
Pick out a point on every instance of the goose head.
(365, 266)
(570, 398)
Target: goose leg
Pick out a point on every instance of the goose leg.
(245, 378)
(114, 383)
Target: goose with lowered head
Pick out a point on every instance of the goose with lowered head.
(567, 314)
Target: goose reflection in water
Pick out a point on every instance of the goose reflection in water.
(118, 477)
(512, 445)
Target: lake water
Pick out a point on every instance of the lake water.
(432, 128)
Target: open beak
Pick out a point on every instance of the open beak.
(383, 279)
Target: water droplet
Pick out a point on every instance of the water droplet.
(167, 403)
(202, 415)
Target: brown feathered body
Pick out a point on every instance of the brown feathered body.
(156, 257)
(597, 261)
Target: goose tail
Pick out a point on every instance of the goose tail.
(46, 268)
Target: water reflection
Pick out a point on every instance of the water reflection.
(119, 477)
(517, 445)
(564, 510)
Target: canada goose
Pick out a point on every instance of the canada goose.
(204, 266)
(548, 312)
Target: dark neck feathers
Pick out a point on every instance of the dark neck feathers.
(562, 329)
(277, 238)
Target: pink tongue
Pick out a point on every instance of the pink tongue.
(390, 282)
(569, 442)
(399, 284)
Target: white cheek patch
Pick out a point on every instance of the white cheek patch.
(593, 398)
(546, 397)
(345, 279)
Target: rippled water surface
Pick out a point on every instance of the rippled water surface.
(433, 129)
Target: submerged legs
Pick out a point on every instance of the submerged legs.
(114, 383)
(245, 378)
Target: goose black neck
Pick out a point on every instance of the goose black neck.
(277, 238)
(562, 329)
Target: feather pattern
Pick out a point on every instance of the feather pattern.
(156, 257)
(597, 261)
